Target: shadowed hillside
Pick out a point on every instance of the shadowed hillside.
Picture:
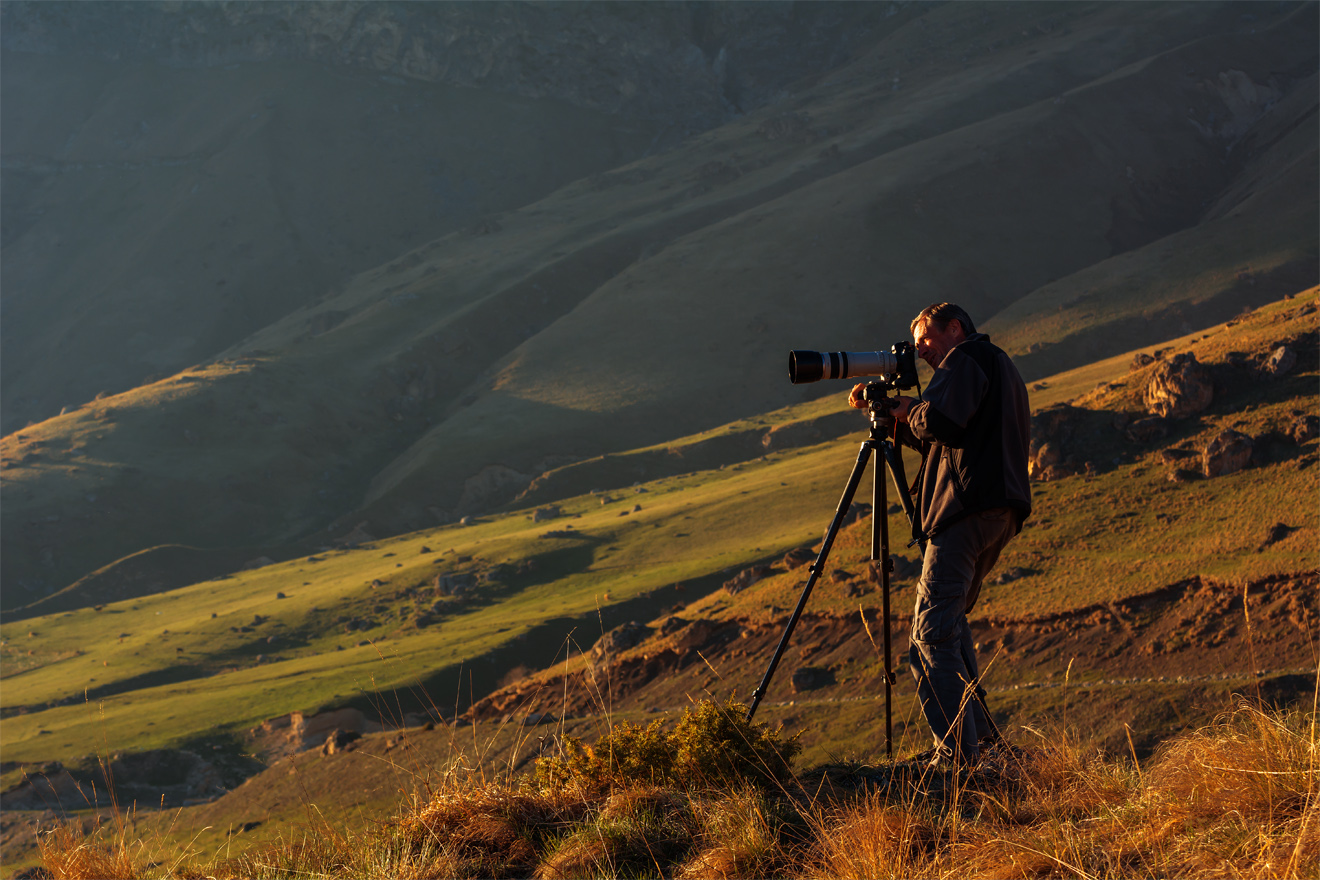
(1112, 167)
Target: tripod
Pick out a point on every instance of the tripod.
(877, 441)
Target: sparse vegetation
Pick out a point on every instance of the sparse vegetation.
(1239, 797)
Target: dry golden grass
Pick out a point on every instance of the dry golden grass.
(67, 854)
(1239, 798)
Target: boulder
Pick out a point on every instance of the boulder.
(1228, 453)
(745, 578)
(1178, 388)
(310, 730)
(1147, 429)
(1304, 429)
(541, 514)
(798, 557)
(621, 638)
(536, 718)
(809, 678)
(1048, 454)
(856, 511)
(1280, 361)
(339, 741)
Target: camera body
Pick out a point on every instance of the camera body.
(896, 368)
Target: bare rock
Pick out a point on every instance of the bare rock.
(1047, 455)
(1178, 388)
(621, 638)
(452, 584)
(536, 718)
(672, 625)
(311, 729)
(339, 741)
(745, 578)
(1276, 533)
(809, 678)
(1147, 429)
(1280, 362)
(1009, 575)
(798, 557)
(856, 511)
(542, 514)
(1228, 453)
(1141, 360)
(1304, 429)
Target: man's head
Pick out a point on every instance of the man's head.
(938, 328)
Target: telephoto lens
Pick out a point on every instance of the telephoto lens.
(812, 366)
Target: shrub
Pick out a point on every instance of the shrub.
(712, 746)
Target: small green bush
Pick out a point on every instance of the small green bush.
(712, 746)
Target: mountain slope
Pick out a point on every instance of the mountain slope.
(996, 154)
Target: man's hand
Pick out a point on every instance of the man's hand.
(898, 406)
(902, 406)
(855, 396)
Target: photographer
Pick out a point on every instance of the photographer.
(973, 427)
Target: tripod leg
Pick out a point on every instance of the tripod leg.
(880, 554)
(817, 567)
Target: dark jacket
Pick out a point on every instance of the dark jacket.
(974, 423)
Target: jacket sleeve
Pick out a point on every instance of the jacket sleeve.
(954, 395)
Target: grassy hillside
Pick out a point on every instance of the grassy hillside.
(346, 625)
(1016, 158)
(155, 216)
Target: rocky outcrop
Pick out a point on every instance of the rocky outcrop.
(621, 638)
(809, 678)
(745, 578)
(1305, 428)
(1280, 362)
(1178, 388)
(1228, 453)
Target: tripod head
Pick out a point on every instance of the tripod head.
(878, 407)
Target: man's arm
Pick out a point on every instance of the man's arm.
(954, 395)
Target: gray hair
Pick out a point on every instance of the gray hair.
(940, 314)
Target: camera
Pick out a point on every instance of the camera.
(896, 368)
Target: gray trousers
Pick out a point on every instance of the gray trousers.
(941, 651)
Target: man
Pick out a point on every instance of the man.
(973, 426)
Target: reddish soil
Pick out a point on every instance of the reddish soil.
(1192, 629)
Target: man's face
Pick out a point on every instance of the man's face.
(933, 343)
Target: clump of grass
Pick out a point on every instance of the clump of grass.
(636, 833)
(712, 746)
(498, 830)
(69, 854)
(876, 839)
(746, 833)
